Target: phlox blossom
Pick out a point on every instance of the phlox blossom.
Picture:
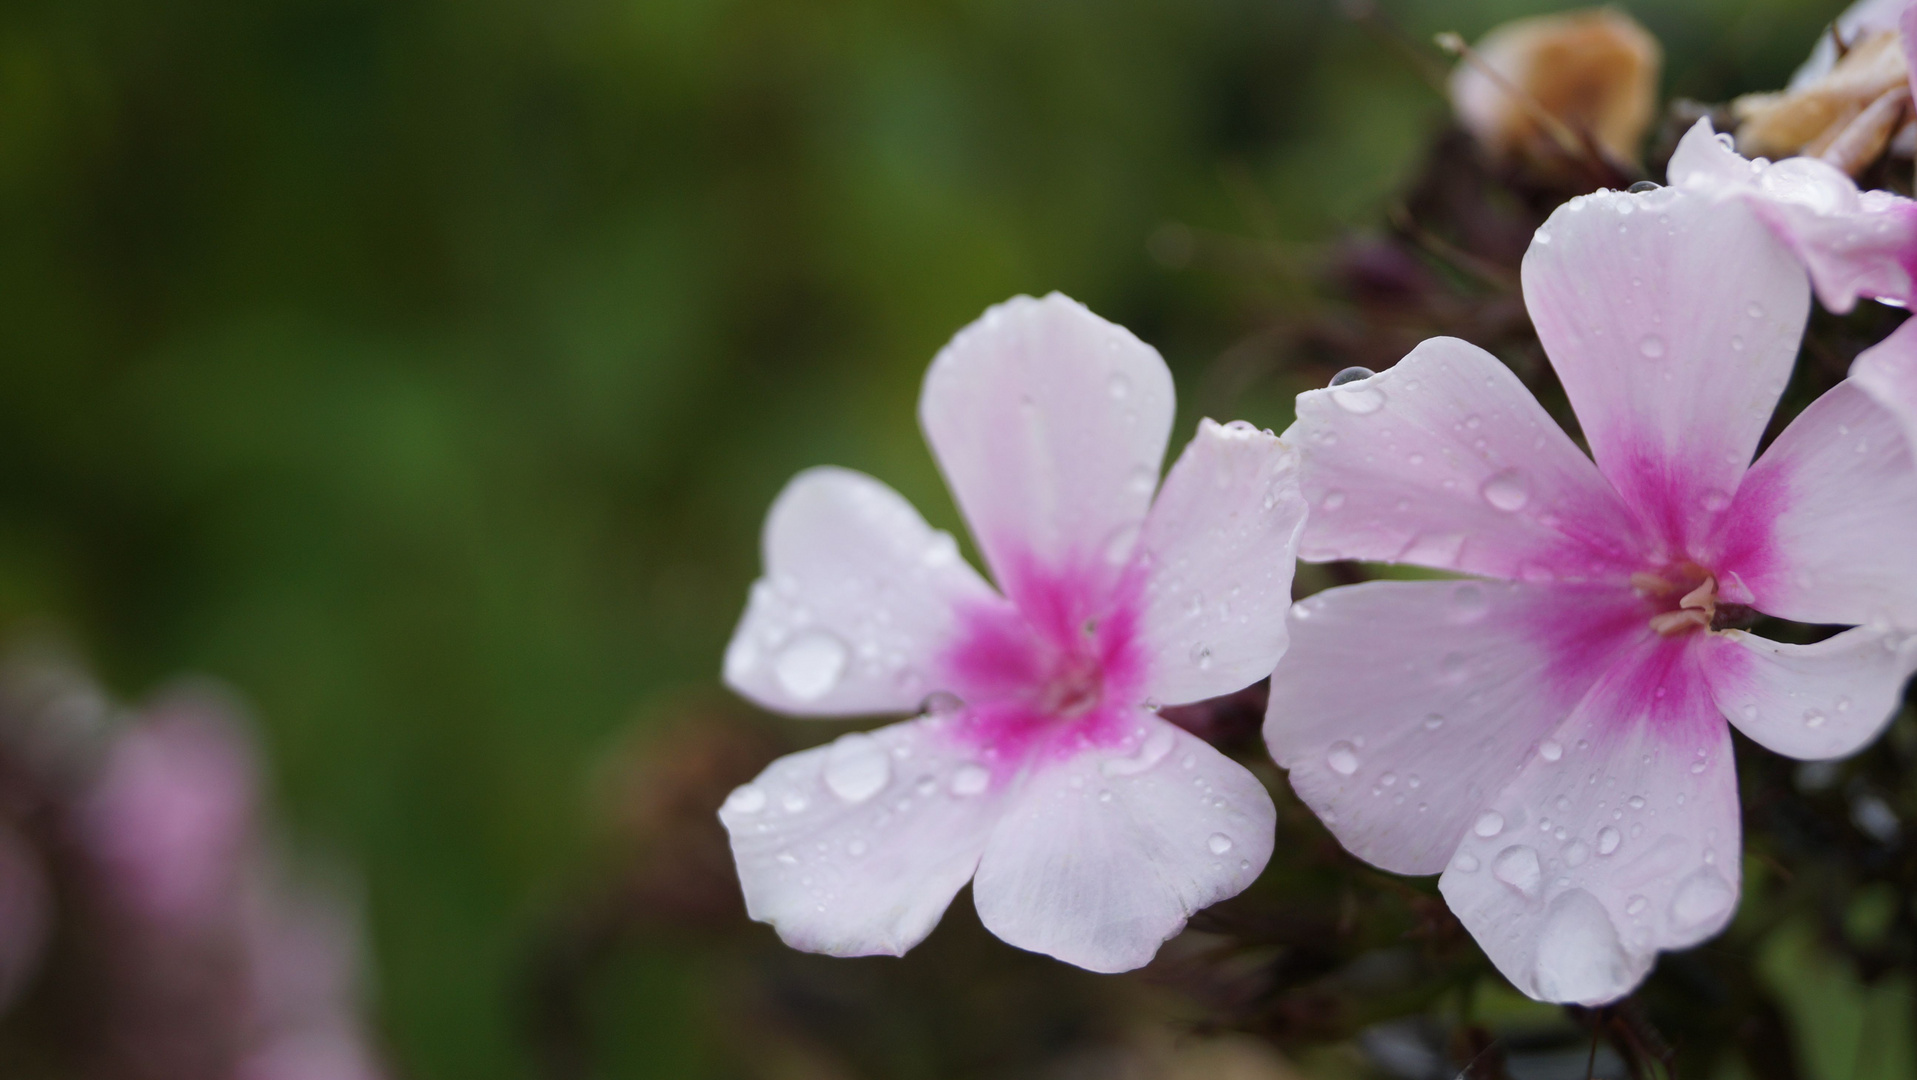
(1551, 734)
(1089, 827)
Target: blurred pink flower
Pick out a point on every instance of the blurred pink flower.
(1854, 243)
(1554, 740)
(1090, 827)
(170, 818)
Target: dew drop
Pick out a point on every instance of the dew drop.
(1551, 750)
(1507, 490)
(1651, 346)
(1433, 722)
(793, 803)
(746, 800)
(1714, 500)
(1150, 752)
(1466, 862)
(1118, 386)
(941, 551)
(1636, 802)
(1351, 375)
(1332, 500)
(1144, 479)
(1219, 843)
(786, 858)
(1343, 758)
(1358, 400)
(1608, 840)
(810, 665)
(856, 767)
(1579, 957)
(1517, 866)
(1813, 719)
(1755, 310)
(970, 780)
(1489, 824)
(1701, 897)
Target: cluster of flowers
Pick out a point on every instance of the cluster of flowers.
(1548, 727)
(148, 930)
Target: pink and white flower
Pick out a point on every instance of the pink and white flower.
(1854, 243)
(1089, 827)
(1551, 735)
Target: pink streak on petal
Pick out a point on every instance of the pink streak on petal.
(1057, 670)
(1585, 637)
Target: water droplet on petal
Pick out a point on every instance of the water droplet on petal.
(1358, 400)
(1507, 490)
(746, 800)
(1812, 719)
(1635, 905)
(1351, 375)
(1489, 824)
(1219, 843)
(1466, 862)
(1517, 866)
(786, 858)
(856, 767)
(941, 551)
(810, 665)
(1118, 386)
(1343, 758)
(1144, 479)
(1651, 346)
(1714, 500)
(1151, 751)
(1636, 802)
(1701, 897)
(1755, 310)
(1579, 957)
(970, 780)
(1551, 750)
(1433, 722)
(1332, 500)
(1608, 840)
(794, 803)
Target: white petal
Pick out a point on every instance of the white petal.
(1050, 425)
(1101, 858)
(1853, 243)
(1401, 706)
(1821, 529)
(858, 599)
(1817, 701)
(1218, 551)
(1887, 371)
(1626, 843)
(1446, 460)
(1672, 319)
(857, 847)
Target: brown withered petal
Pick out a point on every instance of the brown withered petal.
(1809, 119)
(1595, 70)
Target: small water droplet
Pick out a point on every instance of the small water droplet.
(1755, 310)
(1517, 866)
(1343, 758)
(1608, 840)
(970, 780)
(1151, 750)
(856, 767)
(786, 858)
(1635, 905)
(1551, 750)
(1636, 802)
(1219, 843)
(1118, 386)
(1714, 500)
(1332, 500)
(1358, 400)
(1652, 347)
(1351, 375)
(746, 800)
(810, 665)
(942, 550)
(1507, 490)
(794, 802)
(1143, 479)
(1433, 722)
(1489, 824)
(1701, 897)
(1466, 862)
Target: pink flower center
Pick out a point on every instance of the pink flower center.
(1683, 595)
(1054, 667)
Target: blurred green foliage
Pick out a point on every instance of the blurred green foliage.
(424, 368)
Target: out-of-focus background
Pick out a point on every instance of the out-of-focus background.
(422, 371)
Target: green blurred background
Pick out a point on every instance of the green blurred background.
(424, 368)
